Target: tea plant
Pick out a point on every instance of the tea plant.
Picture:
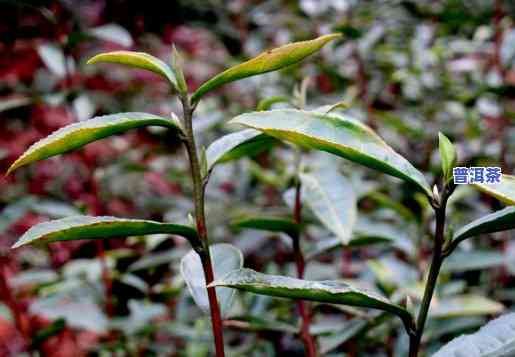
(325, 193)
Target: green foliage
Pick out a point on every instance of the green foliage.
(332, 292)
(268, 61)
(139, 60)
(86, 227)
(447, 155)
(338, 135)
(76, 135)
(495, 339)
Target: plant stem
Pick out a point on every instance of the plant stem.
(307, 339)
(434, 271)
(198, 200)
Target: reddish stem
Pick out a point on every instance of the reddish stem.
(216, 316)
(304, 311)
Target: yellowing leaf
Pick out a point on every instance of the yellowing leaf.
(139, 60)
(268, 61)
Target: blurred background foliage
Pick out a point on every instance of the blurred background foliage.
(406, 68)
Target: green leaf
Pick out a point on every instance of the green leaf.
(139, 60)
(266, 103)
(504, 191)
(225, 258)
(272, 224)
(495, 339)
(236, 145)
(333, 292)
(336, 134)
(465, 305)
(87, 227)
(331, 198)
(176, 63)
(78, 134)
(271, 60)
(448, 156)
(494, 222)
(461, 261)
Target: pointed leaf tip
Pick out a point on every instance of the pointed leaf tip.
(268, 61)
(78, 134)
(140, 60)
(89, 227)
(336, 134)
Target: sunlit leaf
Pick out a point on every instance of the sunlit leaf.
(225, 258)
(503, 191)
(76, 135)
(331, 198)
(236, 145)
(495, 339)
(271, 60)
(495, 222)
(87, 227)
(336, 134)
(448, 156)
(332, 292)
(139, 60)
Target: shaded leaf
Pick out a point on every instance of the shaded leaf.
(78, 313)
(335, 134)
(331, 198)
(333, 292)
(504, 191)
(139, 60)
(495, 222)
(495, 339)
(271, 60)
(12, 103)
(225, 258)
(113, 33)
(87, 227)
(76, 135)
(461, 261)
(464, 305)
(272, 224)
(236, 145)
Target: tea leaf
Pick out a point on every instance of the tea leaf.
(236, 145)
(495, 339)
(495, 222)
(139, 60)
(76, 135)
(332, 199)
(272, 224)
(333, 292)
(465, 305)
(225, 258)
(336, 134)
(88, 227)
(504, 191)
(268, 61)
(447, 156)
